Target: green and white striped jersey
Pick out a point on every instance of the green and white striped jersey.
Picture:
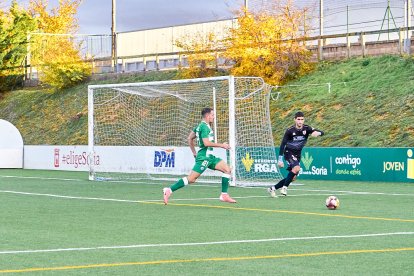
(203, 130)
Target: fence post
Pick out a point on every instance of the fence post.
(401, 41)
(123, 65)
(320, 49)
(362, 41)
(93, 66)
(348, 46)
(407, 46)
(29, 69)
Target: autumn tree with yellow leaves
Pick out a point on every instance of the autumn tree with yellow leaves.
(264, 44)
(268, 45)
(202, 54)
(54, 52)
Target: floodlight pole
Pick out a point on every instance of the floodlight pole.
(321, 17)
(113, 36)
(320, 41)
(407, 41)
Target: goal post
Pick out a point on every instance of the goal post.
(139, 131)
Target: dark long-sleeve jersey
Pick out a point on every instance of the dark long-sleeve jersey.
(295, 139)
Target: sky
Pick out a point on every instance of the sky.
(94, 16)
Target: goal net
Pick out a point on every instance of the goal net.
(139, 131)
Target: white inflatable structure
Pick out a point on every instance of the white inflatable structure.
(11, 146)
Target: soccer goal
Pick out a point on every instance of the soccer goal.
(139, 131)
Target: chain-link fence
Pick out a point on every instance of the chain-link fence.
(373, 27)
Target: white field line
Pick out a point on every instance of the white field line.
(40, 178)
(148, 182)
(72, 197)
(329, 192)
(72, 179)
(146, 200)
(212, 185)
(354, 193)
(202, 243)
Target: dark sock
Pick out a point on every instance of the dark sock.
(280, 184)
(289, 179)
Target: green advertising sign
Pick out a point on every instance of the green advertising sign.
(256, 162)
(358, 164)
(354, 164)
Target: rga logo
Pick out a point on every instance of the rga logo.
(260, 165)
(247, 162)
(164, 158)
(307, 162)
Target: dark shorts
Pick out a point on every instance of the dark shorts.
(292, 158)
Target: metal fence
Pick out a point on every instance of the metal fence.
(346, 45)
(350, 28)
(338, 46)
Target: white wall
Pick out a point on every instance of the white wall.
(163, 40)
(11, 146)
(113, 159)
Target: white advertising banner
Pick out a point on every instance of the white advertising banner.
(65, 158)
(11, 158)
(155, 160)
(11, 146)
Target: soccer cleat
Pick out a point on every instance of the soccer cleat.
(167, 193)
(226, 198)
(272, 191)
(283, 191)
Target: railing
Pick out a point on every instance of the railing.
(343, 46)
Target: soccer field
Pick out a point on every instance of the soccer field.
(60, 223)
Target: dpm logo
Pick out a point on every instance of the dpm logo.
(164, 158)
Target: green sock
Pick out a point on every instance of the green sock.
(178, 185)
(224, 184)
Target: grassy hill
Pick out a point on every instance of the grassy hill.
(370, 104)
(61, 117)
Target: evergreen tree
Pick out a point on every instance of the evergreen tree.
(15, 25)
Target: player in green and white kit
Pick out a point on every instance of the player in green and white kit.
(204, 158)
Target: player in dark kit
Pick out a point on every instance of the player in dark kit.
(291, 147)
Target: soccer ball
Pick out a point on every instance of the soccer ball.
(332, 202)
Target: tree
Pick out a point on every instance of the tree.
(268, 45)
(55, 52)
(14, 27)
(264, 44)
(202, 54)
